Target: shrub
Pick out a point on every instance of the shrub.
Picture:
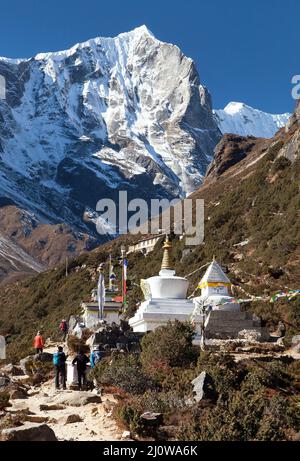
(128, 414)
(76, 344)
(280, 164)
(123, 371)
(168, 346)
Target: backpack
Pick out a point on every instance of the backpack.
(97, 357)
(58, 358)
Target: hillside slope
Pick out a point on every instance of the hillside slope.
(252, 227)
(28, 246)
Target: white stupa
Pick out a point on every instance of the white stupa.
(166, 298)
(214, 287)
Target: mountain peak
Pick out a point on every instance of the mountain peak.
(244, 120)
(234, 107)
(140, 30)
(124, 36)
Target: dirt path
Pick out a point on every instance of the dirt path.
(97, 423)
(96, 420)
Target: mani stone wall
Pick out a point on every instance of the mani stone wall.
(227, 324)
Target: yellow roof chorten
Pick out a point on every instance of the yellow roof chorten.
(214, 277)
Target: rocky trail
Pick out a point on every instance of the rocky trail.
(69, 413)
(72, 415)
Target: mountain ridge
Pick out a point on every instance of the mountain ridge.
(239, 118)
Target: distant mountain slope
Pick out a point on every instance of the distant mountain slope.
(238, 118)
(28, 246)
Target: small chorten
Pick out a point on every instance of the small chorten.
(214, 281)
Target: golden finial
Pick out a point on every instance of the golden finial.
(166, 265)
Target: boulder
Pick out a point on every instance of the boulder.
(24, 364)
(29, 432)
(18, 393)
(71, 419)
(36, 419)
(203, 387)
(73, 320)
(77, 399)
(54, 407)
(152, 419)
(43, 357)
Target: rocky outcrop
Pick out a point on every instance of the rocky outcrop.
(203, 388)
(77, 399)
(230, 151)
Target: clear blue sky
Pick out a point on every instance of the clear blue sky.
(245, 50)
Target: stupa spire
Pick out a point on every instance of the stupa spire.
(166, 264)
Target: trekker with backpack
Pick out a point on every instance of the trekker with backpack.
(64, 329)
(81, 360)
(59, 361)
(96, 355)
(38, 343)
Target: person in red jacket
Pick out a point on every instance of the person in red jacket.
(64, 329)
(39, 343)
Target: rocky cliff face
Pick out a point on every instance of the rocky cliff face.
(291, 149)
(109, 114)
(231, 150)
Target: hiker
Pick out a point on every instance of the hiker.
(96, 355)
(64, 329)
(38, 343)
(81, 360)
(59, 361)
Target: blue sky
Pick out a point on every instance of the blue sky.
(244, 50)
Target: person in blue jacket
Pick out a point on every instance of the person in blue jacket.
(96, 355)
(59, 361)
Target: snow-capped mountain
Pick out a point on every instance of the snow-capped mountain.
(238, 118)
(125, 113)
